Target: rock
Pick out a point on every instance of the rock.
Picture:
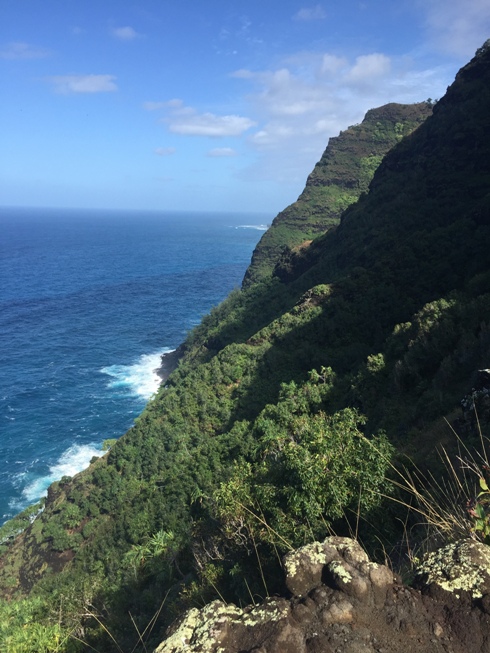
(304, 567)
(338, 561)
(343, 603)
(460, 567)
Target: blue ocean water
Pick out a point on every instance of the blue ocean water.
(89, 301)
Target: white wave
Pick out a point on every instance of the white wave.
(260, 227)
(72, 461)
(140, 378)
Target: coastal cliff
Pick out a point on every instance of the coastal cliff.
(343, 173)
(291, 405)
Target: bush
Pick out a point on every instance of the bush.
(310, 468)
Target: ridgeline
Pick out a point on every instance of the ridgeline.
(343, 173)
(292, 399)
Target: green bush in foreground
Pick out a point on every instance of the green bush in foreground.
(310, 469)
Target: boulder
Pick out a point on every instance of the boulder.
(341, 602)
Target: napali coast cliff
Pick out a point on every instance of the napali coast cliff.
(361, 324)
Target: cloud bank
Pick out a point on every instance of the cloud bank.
(457, 27)
(314, 95)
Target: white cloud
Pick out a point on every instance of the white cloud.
(311, 13)
(458, 27)
(21, 50)
(284, 93)
(209, 124)
(154, 106)
(187, 121)
(369, 67)
(314, 95)
(332, 65)
(176, 103)
(222, 151)
(72, 84)
(125, 33)
(237, 35)
(164, 151)
(273, 133)
(323, 93)
(243, 73)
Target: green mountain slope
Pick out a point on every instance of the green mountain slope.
(269, 432)
(338, 179)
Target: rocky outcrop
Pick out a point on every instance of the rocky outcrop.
(342, 603)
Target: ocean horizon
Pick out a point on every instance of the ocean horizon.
(90, 301)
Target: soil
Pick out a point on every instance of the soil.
(340, 603)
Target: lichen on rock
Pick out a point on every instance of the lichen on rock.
(200, 630)
(354, 606)
(328, 581)
(459, 567)
(341, 560)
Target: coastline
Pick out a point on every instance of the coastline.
(169, 363)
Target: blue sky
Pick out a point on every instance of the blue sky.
(206, 105)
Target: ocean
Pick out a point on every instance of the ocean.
(89, 302)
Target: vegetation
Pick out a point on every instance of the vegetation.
(291, 404)
(343, 173)
(22, 632)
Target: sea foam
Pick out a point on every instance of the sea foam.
(106, 287)
(259, 227)
(73, 460)
(139, 378)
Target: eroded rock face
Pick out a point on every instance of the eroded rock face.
(343, 603)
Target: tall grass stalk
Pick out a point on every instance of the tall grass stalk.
(446, 506)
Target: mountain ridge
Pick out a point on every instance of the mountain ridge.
(341, 175)
(352, 352)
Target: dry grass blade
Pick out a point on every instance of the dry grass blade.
(269, 528)
(443, 504)
(104, 628)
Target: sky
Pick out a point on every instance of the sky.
(212, 105)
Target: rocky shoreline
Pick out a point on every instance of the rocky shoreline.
(169, 363)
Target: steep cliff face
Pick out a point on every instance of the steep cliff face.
(338, 179)
(267, 433)
(428, 201)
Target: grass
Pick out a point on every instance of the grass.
(444, 509)
(142, 636)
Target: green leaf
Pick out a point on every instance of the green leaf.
(479, 511)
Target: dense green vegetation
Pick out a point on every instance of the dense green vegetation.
(292, 400)
(343, 173)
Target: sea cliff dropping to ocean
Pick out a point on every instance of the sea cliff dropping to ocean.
(89, 301)
(293, 404)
